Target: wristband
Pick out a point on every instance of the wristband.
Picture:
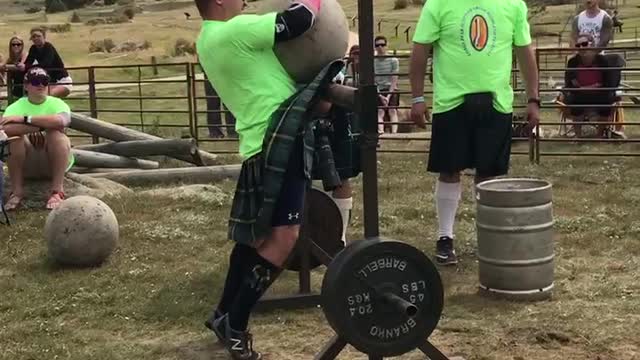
(534, 101)
(417, 99)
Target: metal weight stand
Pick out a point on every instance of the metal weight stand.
(366, 102)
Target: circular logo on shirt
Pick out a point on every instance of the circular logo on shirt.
(479, 32)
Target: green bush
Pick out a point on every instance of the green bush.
(33, 10)
(400, 4)
(59, 28)
(55, 6)
(184, 47)
(129, 12)
(105, 45)
(75, 18)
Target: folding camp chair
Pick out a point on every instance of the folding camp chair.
(615, 130)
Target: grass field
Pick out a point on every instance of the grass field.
(150, 299)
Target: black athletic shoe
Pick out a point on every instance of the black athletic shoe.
(445, 254)
(239, 343)
(218, 328)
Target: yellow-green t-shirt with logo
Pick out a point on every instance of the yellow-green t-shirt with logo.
(473, 43)
(237, 56)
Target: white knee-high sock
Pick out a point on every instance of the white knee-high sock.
(345, 206)
(447, 199)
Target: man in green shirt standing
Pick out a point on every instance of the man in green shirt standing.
(237, 54)
(43, 150)
(473, 41)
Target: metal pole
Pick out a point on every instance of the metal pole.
(368, 109)
(140, 98)
(93, 101)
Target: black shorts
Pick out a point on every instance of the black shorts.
(290, 204)
(585, 98)
(394, 100)
(471, 137)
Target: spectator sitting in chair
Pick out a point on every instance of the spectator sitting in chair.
(43, 151)
(579, 76)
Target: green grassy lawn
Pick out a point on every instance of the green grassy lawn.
(150, 298)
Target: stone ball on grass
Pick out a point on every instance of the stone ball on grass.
(82, 232)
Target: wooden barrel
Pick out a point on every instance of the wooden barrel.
(514, 223)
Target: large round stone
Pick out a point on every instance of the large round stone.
(81, 231)
(305, 56)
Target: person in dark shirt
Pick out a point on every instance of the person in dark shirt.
(584, 72)
(45, 55)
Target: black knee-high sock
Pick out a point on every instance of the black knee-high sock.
(241, 256)
(256, 282)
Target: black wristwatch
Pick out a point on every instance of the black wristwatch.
(534, 101)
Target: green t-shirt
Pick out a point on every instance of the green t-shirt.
(51, 106)
(473, 43)
(238, 58)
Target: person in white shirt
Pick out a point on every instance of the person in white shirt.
(593, 23)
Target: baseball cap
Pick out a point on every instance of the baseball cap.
(36, 73)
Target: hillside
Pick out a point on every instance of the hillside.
(162, 23)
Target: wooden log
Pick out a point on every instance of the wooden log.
(90, 159)
(84, 170)
(118, 133)
(140, 148)
(188, 175)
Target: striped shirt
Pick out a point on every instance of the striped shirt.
(385, 65)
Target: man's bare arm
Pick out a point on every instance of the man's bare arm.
(528, 68)
(418, 67)
(574, 32)
(606, 34)
(46, 122)
(53, 122)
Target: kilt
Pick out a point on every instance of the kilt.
(261, 176)
(344, 136)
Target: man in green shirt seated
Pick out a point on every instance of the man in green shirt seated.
(43, 151)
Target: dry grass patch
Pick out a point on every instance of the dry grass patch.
(151, 297)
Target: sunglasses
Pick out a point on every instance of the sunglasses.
(381, 45)
(582, 44)
(39, 81)
(16, 44)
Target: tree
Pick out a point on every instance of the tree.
(54, 6)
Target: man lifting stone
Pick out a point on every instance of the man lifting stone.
(236, 52)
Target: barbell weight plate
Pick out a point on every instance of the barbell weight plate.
(361, 317)
(322, 225)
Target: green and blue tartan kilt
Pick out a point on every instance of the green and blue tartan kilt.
(260, 181)
(344, 138)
